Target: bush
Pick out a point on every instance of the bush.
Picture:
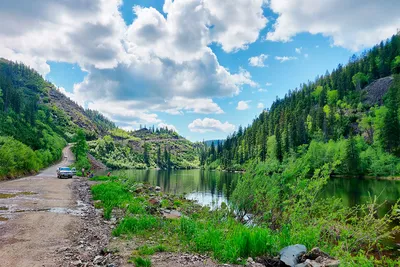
(17, 158)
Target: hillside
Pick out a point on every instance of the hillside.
(348, 117)
(36, 121)
(146, 148)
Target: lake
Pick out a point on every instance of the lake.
(214, 187)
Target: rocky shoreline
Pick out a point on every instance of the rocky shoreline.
(91, 243)
(91, 237)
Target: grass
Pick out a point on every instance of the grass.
(215, 233)
(111, 195)
(104, 178)
(149, 250)
(137, 225)
(140, 262)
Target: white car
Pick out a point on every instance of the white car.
(64, 172)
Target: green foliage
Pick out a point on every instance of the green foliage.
(391, 126)
(17, 158)
(396, 65)
(111, 195)
(140, 262)
(360, 80)
(160, 149)
(80, 150)
(320, 115)
(136, 225)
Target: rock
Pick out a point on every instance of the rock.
(317, 258)
(173, 214)
(98, 260)
(154, 201)
(251, 263)
(315, 253)
(290, 255)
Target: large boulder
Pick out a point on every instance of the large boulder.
(290, 255)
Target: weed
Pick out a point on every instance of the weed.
(146, 250)
(140, 262)
(134, 225)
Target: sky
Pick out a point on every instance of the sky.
(200, 67)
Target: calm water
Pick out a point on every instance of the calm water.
(213, 187)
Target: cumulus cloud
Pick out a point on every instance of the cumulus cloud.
(243, 105)
(353, 24)
(210, 125)
(285, 58)
(262, 90)
(258, 61)
(260, 105)
(298, 50)
(268, 84)
(159, 63)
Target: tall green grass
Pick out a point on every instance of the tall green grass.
(112, 195)
(136, 225)
(227, 240)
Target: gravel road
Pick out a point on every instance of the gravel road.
(38, 215)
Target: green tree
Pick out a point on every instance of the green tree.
(396, 65)
(146, 155)
(351, 161)
(360, 80)
(391, 126)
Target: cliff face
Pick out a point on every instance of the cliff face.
(375, 91)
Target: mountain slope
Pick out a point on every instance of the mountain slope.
(36, 121)
(349, 116)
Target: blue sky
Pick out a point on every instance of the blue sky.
(201, 67)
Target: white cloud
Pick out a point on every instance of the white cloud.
(260, 105)
(353, 24)
(268, 84)
(210, 125)
(243, 105)
(258, 61)
(298, 50)
(159, 63)
(285, 58)
(169, 126)
(262, 90)
(317, 46)
(306, 55)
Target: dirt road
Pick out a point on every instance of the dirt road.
(37, 216)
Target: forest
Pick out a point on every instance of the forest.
(349, 115)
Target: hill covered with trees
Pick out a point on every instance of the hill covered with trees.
(349, 116)
(37, 121)
(146, 148)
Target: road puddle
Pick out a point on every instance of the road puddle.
(4, 195)
(11, 195)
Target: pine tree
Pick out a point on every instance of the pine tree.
(391, 128)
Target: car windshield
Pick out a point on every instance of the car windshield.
(65, 169)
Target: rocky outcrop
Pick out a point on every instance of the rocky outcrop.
(297, 256)
(290, 255)
(96, 164)
(375, 91)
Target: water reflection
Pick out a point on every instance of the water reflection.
(208, 187)
(360, 191)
